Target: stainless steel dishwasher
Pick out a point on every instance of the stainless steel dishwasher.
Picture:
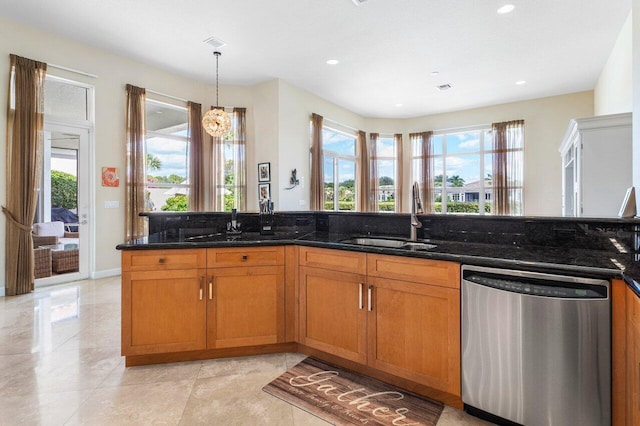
(536, 348)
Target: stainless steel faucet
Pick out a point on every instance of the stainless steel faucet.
(416, 207)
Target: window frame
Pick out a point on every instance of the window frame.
(484, 191)
(336, 157)
(394, 158)
(149, 134)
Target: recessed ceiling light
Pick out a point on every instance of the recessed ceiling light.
(434, 73)
(506, 9)
(521, 82)
(333, 62)
(398, 105)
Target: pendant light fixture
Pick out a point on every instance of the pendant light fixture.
(216, 121)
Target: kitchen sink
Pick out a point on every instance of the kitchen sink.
(388, 243)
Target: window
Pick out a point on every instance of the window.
(231, 151)
(386, 164)
(462, 170)
(339, 169)
(167, 157)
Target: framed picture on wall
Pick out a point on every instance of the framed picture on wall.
(264, 191)
(264, 172)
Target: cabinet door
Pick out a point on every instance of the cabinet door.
(332, 312)
(633, 358)
(163, 311)
(414, 332)
(245, 306)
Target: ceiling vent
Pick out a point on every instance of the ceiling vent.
(358, 2)
(444, 87)
(216, 43)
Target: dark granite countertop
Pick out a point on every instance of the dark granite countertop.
(575, 261)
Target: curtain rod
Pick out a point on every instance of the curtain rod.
(166, 96)
(60, 67)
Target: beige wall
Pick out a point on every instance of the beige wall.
(612, 93)
(546, 120)
(113, 73)
(277, 128)
(296, 107)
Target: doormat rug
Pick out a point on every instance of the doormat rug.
(342, 397)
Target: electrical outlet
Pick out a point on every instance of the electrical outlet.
(112, 204)
(302, 202)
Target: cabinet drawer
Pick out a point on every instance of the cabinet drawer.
(425, 271)
(157, 260)
(245, 256)
(336, 260)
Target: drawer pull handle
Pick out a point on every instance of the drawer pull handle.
(161, 260)
(360, 305)
(370, 298)
(244, 257)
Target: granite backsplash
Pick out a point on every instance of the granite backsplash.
(584, 233)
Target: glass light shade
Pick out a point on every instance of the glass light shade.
(216, 122)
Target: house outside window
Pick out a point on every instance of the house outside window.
(167, 157)
(339, 169)
(386, 164)
(463, 169)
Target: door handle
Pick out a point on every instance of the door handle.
(211, 287)
(201, 290)
(370, 298)
(360, 306)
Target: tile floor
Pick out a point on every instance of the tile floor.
(60, 364)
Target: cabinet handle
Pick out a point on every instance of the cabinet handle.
(244, 257)
(211, 287)
(201, 279)
(360, 306)
(370, 297)
(161, 260)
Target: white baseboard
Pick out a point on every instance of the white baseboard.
(106, 273)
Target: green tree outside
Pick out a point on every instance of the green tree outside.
(177, 203)
(64, 190)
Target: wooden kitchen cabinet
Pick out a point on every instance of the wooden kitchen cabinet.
(245, 306)
(402, 317)
(414, 332)
(633, 358)
(414, 321)
(163, 310)
(332, 312)
(245, 296)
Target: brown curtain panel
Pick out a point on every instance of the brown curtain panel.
(240, 139)
(196, 158)
(399, 172)
(364, 178)
(317, 185)
(25, 140)
(507, 170)
(373, 171)
(135, 177)
(423, 142)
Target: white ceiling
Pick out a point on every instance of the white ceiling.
(387, 48)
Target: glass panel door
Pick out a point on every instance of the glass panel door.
(64, 197)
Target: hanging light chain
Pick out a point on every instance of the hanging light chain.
(217, 54)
